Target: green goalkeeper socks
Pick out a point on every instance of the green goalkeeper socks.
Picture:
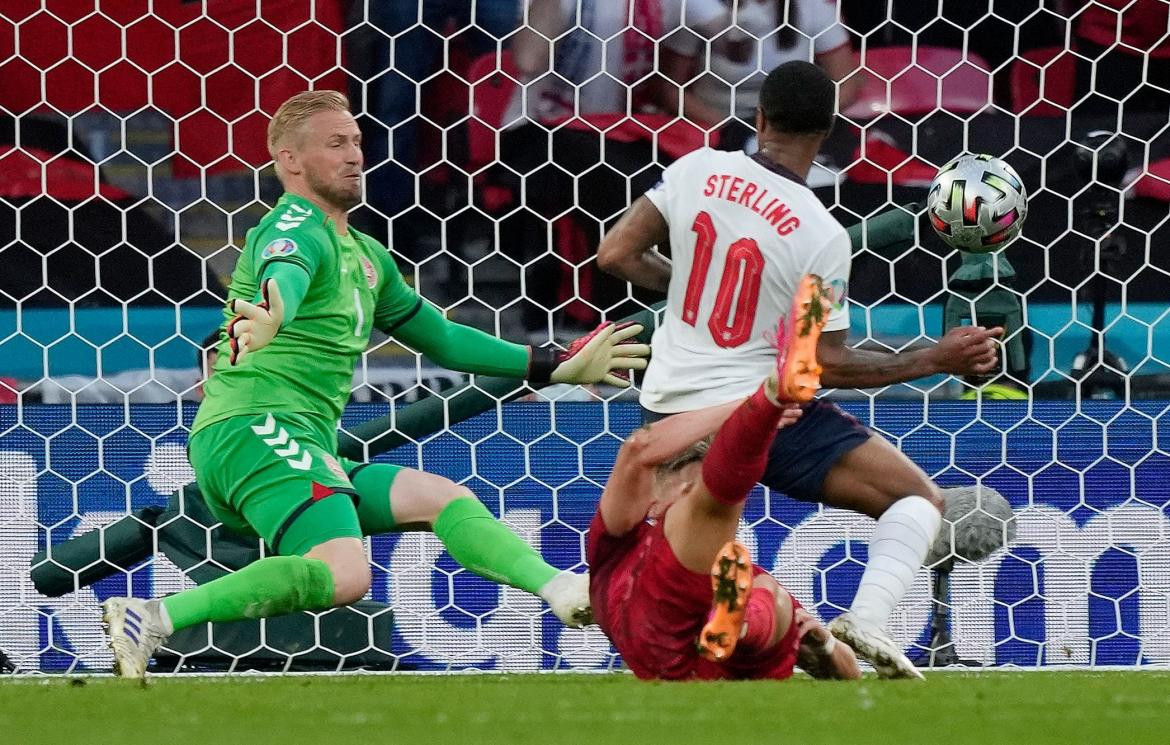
(284, 584)
(270, 587)
(487, 547)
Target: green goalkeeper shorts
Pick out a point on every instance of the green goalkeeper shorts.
(277, 476)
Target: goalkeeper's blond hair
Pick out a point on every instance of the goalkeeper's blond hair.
(293, 113)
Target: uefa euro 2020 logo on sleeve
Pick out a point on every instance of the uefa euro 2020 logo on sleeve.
(838, 291)
(279, 247)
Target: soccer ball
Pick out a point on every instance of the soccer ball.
(977, 203)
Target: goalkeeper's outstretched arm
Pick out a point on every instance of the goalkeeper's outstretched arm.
(602, 356)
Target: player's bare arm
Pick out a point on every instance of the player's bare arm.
(820, 654)
(966, 350)
(629, 491)
(628, 250)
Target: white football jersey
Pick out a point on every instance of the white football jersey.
(743, 231)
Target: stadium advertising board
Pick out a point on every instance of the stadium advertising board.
(1087, 581)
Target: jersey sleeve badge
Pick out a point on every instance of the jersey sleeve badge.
(838, 291)
(279, 247)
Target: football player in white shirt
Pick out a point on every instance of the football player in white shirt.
(743, 231)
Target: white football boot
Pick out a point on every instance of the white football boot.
(568, 596)
(871, 644)
(136, 629)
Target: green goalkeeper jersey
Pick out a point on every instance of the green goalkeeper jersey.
(308, 366)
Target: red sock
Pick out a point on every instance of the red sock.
(760, 620)
(739, 453)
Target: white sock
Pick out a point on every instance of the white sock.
(899, 544)
(164, 616)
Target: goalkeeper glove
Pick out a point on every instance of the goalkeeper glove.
(255, 325)
(601, 356)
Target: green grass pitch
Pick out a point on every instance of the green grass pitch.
(1118, 708)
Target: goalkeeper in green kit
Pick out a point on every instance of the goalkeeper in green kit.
(305, 294)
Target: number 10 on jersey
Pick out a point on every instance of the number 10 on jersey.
(734, 312)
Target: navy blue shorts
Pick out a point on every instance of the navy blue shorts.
(801, 455)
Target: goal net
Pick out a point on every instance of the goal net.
(501, 138)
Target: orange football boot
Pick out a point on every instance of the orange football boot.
(731, 581)
(798, 371)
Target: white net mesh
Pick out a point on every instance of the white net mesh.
(132, 162)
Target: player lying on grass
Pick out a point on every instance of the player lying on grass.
(742, 231)
(307, 291)
(663, 537)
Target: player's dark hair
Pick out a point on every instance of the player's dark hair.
(799, 98)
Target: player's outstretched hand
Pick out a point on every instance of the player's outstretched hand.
(969, 350)
(255, 325)
(604, 355)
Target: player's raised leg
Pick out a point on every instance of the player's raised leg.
(393, 498)
(703, 524)
(731, 586)
(798, 372)
(739, 451)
